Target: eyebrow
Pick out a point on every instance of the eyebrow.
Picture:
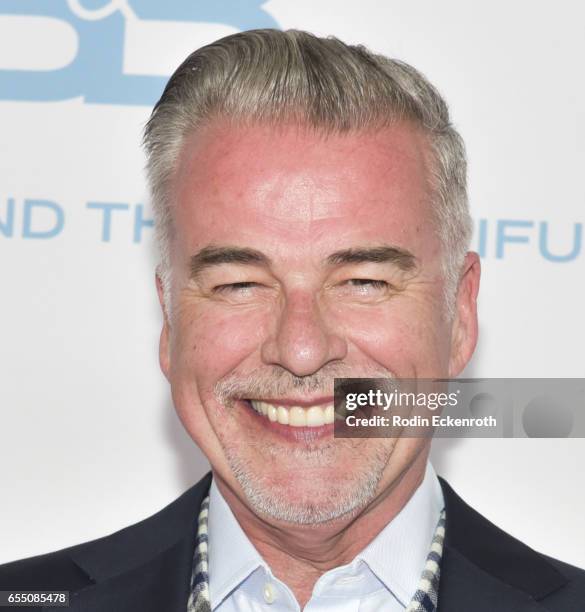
(401, 258)
(211, 256)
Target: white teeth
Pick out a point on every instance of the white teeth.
(328, 414)
(295, 416)
(282, 415)
(272, 413)
(315, 417)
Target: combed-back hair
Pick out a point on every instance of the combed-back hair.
(273, 76)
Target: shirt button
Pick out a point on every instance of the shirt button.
(269, 592)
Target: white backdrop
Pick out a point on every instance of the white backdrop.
(89, 442)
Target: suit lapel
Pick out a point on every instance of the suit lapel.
(464, 587)
(160, 584)
(145, 567)
(485, 569)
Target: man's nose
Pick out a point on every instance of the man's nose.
(303, 341)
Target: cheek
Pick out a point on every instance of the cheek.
(404, 337)
(210, 342)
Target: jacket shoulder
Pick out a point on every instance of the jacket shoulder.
(76, 567)
(556, 586)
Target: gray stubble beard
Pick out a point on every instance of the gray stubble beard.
(350, 499)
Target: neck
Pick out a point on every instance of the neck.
(299, 554)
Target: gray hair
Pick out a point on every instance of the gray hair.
(274, 76)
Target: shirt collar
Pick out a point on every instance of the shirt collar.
(232, 557)
(396, 556)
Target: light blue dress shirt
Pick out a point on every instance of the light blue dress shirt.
(382, 578)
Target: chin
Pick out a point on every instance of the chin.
(311, 497)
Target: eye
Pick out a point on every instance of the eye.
(368, 283)
(364, 288)
(242, 287)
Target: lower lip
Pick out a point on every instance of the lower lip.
(294, 434)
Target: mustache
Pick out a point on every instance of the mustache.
(275, 381)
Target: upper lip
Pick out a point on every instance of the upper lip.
(290, 401)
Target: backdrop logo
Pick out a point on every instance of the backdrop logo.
(97, 70)
(556, 242)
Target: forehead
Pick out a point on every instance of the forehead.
(293, 190)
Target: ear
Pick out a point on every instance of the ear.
(164, 344)
(464, 330)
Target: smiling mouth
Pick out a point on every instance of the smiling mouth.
(295, 416)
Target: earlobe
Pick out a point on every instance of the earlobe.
(164, 344)
(163, 351)
(465, 327)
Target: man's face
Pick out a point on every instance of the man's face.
(298, 258)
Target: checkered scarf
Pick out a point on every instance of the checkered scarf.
(199, 596)
(424, 600)
(427, 593)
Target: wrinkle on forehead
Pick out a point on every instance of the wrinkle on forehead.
(301, 186)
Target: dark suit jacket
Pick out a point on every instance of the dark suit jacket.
(147, 567)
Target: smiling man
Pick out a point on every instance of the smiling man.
(312, 215)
